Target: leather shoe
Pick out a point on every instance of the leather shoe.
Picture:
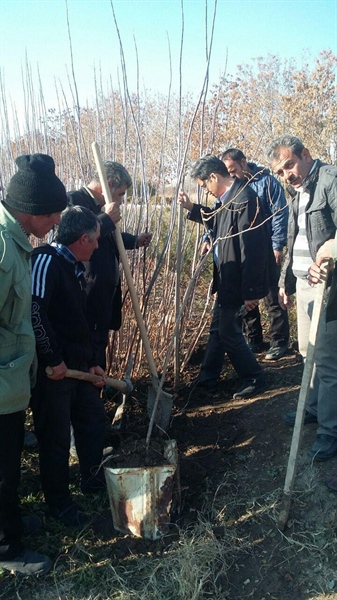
(250, 388)
(290, 418)
(324, 447)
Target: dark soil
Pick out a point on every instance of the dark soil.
(233, 453)
(135, 453)
(246, 445)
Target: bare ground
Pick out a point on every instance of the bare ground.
(232, 457)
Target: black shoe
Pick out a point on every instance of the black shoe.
(250, 388)
(275, 352)
(290, 417)
(70, 515)
(255, 347)
(324, 447)
(27, 563)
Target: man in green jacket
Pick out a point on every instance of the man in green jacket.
(34, 201)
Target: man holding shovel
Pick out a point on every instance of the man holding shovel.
(63, 342)
(312, 222)
(104, 303)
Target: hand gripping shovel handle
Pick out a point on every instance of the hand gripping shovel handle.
(123, 386)
(126, 266)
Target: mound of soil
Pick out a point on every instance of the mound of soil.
(135, 453)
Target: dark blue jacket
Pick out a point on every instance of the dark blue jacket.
(273, 202)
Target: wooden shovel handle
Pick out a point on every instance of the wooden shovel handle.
(302, 399)
(92, 378)
(125, 263)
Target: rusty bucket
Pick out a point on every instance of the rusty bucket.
(140, 498)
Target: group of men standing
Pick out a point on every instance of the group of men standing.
(247, 229)
(64, 310)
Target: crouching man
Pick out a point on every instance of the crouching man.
(63, 342)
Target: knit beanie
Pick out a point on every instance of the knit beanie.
(35, 189)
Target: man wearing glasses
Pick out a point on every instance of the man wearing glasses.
(240, 276)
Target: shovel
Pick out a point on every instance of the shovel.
(302, 400)
(163, 406)
(124, 386)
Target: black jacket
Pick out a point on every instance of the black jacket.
(241, 272)
(104, 302)
(59, 311)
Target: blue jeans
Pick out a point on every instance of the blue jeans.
(226, 337)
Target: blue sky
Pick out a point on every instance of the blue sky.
(243, 29)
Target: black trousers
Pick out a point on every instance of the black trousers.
(56, 405)
(226, 337)
(279, 324)
(11, 445)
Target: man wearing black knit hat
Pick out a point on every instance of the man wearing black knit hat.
(34, 201)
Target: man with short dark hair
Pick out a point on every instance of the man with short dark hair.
(104, 301)
(34, 201)
(63, 341)
(312, 222)
(275, 210)
(240, 277)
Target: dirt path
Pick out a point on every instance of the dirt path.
(238, 452)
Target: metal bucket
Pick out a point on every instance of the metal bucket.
(140, 498)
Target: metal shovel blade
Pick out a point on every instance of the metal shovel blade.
(162, 410)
